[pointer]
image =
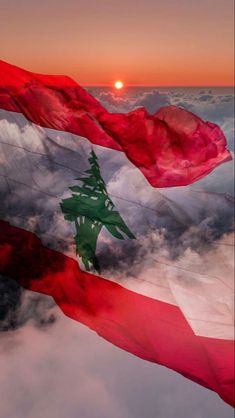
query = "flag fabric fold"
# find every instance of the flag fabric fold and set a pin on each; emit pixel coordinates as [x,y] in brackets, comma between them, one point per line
[150,329]
[173,147]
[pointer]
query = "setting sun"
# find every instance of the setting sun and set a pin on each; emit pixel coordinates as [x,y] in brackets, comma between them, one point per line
[118,84]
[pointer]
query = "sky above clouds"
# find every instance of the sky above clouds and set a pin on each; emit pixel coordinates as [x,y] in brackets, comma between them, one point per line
[52,367]
[152,42]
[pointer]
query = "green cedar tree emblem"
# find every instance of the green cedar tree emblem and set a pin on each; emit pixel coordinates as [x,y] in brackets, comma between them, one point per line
[90,208]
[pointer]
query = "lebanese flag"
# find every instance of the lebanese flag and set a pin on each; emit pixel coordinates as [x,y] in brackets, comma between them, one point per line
[83,220]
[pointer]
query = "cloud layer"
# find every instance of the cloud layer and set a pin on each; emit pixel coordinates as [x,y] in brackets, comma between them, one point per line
[67,371]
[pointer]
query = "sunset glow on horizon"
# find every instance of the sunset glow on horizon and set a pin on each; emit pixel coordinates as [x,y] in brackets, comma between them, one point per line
[151,43]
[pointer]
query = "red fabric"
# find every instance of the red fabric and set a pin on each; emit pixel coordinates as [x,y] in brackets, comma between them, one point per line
[148,328]
[173,147]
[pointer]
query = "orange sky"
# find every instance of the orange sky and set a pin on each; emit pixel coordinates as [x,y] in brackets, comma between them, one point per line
[146,42]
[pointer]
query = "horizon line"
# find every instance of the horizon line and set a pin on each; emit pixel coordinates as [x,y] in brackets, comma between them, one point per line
[162,86]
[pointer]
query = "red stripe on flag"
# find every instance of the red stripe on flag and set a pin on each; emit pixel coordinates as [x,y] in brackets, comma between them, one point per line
[148,328]
[173,147]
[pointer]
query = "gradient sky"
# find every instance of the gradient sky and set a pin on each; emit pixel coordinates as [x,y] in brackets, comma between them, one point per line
[151,42]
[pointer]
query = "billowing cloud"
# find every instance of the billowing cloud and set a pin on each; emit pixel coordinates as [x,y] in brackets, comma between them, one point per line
[18,307]
[151,99]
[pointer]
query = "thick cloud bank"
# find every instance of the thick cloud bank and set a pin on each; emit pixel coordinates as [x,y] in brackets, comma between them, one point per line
[67,371]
